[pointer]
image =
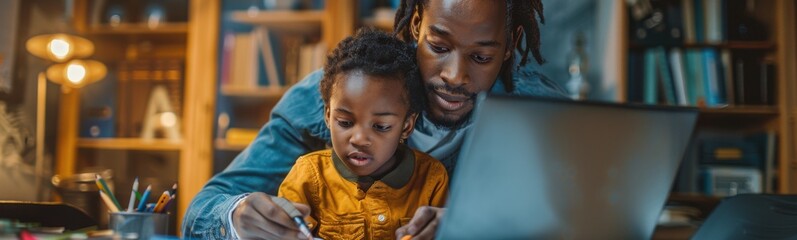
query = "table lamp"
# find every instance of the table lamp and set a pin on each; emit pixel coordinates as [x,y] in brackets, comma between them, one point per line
[64,50]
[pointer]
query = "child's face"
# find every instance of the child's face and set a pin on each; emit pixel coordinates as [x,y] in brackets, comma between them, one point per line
[367,115]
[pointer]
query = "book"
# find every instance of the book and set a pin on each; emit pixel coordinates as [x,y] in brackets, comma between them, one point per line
[754,80]
[699,18]
[678,76]
[228,46]
[241,136]
[650,85]
[711,78]
[98,109]
[688,14]
[727,76]
[636,67]
[713,21]
[665,76]
[264,43]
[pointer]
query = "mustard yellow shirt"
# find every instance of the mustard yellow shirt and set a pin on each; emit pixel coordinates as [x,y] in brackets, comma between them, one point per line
[342,210]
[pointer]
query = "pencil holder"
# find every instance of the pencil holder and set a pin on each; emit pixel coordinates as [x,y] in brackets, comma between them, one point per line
[137,225]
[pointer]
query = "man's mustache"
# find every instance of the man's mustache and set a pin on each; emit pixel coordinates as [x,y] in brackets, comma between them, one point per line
[452,90]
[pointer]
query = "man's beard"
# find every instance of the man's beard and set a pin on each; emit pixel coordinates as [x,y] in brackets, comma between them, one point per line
[447,121]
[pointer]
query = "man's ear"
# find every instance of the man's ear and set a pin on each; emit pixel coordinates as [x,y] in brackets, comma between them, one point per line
[415,24]
[516,36]
[409,125]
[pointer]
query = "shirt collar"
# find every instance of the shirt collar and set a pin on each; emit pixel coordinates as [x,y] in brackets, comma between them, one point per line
[396,178]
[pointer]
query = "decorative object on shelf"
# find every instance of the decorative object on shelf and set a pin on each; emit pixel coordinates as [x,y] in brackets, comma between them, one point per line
[115,15]
[160,115]
[577,67]
[64,49]
[655,22]
[154,14]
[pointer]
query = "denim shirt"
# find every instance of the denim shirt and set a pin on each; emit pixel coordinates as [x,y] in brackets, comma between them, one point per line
[297,127]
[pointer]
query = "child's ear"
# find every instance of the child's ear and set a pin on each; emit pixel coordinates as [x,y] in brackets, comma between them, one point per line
[415,24]
[326,116]
[409,125]
[514,44]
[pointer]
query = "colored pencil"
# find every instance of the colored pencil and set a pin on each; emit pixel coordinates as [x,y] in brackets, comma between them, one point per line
[132,196]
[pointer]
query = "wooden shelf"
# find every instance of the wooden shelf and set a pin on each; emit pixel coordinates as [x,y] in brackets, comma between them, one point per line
[382,19]
[222,144]
[140,29]
[736,45]
[306,22]
[130,144]
[380,23]
[256,92]
[742,110]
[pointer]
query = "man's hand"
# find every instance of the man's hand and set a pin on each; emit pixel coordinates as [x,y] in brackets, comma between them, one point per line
[257,217]
[423,225]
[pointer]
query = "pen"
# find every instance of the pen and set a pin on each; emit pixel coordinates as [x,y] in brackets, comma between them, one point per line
[143,203]
[104,187]
[294,214]
[133,196]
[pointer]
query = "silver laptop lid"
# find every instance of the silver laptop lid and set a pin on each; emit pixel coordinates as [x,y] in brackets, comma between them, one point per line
[557,169]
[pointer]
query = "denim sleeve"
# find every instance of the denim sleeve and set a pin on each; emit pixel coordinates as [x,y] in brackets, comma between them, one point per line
[530,82]
[296,127]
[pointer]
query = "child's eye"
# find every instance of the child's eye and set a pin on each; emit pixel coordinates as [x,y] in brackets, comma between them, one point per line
[382,128]
[345,124]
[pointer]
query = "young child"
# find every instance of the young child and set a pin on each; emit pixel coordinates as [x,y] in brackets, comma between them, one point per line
[370,183]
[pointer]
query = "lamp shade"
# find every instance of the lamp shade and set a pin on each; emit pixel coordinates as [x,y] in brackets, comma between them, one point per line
[77,73]
[59,47]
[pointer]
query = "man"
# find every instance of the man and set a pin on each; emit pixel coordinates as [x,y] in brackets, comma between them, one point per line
[463,47]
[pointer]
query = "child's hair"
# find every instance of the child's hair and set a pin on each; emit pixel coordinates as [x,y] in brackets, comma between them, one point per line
[379,54]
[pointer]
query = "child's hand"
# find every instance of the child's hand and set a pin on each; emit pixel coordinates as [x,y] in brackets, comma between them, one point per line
[423,225]
[257,217]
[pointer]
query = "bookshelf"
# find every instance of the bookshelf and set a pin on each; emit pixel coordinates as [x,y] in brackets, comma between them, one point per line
[130,144]
[299,21]
[173,53]
[258,92]
[139,28]
[729,116]
[254,76]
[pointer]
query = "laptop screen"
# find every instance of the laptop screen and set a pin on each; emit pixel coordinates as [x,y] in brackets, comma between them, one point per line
[541,168]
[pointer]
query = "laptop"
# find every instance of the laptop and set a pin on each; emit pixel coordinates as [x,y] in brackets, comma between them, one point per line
[535,168]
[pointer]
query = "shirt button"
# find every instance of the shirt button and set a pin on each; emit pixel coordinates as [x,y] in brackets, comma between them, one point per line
[381,218]
[223,232]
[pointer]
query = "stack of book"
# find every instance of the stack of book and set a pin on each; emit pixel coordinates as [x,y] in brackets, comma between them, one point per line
[261,59]
[709,53]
